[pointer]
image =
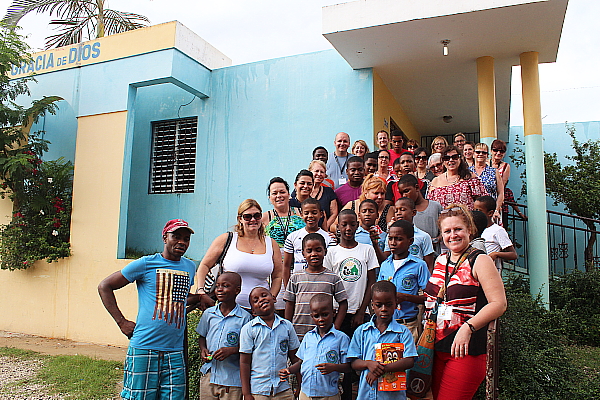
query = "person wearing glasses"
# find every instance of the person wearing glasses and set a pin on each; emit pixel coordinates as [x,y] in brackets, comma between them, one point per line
[438,144]
[459,141]
[435,166]
[383,171]
[467,291]
[412,145]
[489,176]
[251,254]
[421,158]
[457,184]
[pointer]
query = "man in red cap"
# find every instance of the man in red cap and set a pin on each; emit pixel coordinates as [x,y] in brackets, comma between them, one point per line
[155,366]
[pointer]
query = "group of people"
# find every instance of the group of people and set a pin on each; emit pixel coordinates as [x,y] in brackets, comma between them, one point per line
[347,260]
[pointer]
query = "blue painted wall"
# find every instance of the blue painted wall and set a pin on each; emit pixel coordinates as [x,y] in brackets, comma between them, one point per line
[261,120]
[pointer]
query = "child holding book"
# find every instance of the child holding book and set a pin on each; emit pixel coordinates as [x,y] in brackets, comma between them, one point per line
[497,243]
[219,329]
[322,354]
[293,257]
[266,343]
[407,272]
[382,328]
[313,279]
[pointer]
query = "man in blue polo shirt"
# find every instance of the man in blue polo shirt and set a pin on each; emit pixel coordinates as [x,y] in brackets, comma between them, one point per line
[155,367]
[407,272]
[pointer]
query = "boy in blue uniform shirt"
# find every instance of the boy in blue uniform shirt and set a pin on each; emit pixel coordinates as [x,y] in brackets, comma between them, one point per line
[266,342]
[322,354]
[382,328]
[407,272]
[219,329]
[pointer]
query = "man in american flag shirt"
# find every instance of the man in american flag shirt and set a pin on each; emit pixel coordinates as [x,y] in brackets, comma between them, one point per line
[154,367]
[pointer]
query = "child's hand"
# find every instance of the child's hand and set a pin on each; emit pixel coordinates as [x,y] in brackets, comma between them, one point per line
[357,320]
[205,354]
[400,297]
[371,378]
[375,367]
[283,374]
[224,352]
[326,368]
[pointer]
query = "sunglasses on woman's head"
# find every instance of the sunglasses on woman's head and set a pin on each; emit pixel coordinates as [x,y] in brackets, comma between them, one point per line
[481,152]
[446,211]
[452,157]
[499,150]
[248,217]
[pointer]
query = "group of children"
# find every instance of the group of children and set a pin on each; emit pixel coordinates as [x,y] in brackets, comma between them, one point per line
[327,329]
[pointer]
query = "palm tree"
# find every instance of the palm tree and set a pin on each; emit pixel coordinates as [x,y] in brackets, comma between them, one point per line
[77,20]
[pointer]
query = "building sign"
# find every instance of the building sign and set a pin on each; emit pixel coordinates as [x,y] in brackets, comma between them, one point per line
[60,58]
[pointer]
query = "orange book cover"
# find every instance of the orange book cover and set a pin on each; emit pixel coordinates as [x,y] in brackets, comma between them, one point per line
[387,353]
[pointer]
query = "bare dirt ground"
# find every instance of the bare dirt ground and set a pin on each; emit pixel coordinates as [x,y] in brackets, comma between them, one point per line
[54,346]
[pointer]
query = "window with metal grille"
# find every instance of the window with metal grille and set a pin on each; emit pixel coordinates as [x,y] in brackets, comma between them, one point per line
[173,162]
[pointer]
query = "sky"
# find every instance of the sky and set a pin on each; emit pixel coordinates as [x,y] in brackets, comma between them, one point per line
[248,31]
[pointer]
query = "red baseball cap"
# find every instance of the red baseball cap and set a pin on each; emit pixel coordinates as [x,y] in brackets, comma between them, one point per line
[174,224]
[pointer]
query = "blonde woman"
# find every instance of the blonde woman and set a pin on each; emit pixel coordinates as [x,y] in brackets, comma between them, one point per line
[323,194]
[373,188]
[253,255]
[489,176]
[438,144]
[360,148]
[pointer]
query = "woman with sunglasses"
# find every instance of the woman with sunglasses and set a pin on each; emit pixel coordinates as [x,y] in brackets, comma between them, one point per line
[324,193]
[412,145]
[467,291]
[490,177]
[421,158]
[469,153]
[251,254]
[457,184]
[438,144]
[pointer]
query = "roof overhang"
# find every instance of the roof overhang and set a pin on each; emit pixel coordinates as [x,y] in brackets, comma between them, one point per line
[401,41]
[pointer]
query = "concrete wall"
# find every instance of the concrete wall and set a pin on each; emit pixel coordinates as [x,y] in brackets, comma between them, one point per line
[261,120]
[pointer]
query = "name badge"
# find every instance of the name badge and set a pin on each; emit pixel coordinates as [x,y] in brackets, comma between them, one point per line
[445,312]
[342,181]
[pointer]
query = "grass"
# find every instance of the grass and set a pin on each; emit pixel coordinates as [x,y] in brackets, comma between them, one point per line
[587,359]
[82,378]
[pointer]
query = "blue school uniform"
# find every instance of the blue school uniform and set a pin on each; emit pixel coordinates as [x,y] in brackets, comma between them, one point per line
[411,276]
[314,349]
[422,245]
[223,331]
[363,236]
[269,349]
[362,346]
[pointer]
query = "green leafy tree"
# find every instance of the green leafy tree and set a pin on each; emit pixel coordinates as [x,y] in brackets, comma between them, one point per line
[76,20]
[40,190]
[576,185]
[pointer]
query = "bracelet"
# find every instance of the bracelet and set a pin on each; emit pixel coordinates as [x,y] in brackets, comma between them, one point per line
[473,330]
[200,291]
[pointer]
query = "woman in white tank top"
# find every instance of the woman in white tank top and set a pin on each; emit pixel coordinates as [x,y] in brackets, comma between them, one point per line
[251,254]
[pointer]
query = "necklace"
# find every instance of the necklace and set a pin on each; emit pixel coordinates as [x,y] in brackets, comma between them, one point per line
[319,190]
[285,227]
[455,180]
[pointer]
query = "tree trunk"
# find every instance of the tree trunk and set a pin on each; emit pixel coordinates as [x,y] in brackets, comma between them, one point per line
[589,248]
[100,19]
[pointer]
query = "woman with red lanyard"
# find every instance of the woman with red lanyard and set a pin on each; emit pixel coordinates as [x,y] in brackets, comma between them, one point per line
[467,291]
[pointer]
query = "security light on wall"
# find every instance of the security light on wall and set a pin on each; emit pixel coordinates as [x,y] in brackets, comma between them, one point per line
[445,42]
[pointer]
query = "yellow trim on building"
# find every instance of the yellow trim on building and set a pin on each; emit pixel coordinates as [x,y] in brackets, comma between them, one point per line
[386,106]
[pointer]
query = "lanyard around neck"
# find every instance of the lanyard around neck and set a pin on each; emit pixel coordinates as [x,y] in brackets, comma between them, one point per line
[459,262]
[342,167]
[287,222]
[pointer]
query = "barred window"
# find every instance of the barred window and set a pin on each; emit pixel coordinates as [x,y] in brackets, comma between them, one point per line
[173,161]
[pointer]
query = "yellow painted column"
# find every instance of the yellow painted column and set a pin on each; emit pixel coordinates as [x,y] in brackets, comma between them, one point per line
[486,93]
[537,232]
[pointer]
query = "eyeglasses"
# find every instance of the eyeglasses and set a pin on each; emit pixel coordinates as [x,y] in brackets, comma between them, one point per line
[481,152]
[412,146]
[442,144]
[436,166]
[446,211]
[384,157]
[452,157]
[249,217]
[499,150]
[460,141]
[421,157]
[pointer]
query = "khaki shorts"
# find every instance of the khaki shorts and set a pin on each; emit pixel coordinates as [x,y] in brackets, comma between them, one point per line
[285,395]
[211,391]
[413,327]
[305,397]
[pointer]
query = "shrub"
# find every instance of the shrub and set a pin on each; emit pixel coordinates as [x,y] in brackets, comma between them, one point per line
[194,360]
[577,296]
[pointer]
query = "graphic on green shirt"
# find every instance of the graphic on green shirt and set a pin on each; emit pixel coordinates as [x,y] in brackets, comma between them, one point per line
[350,269]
